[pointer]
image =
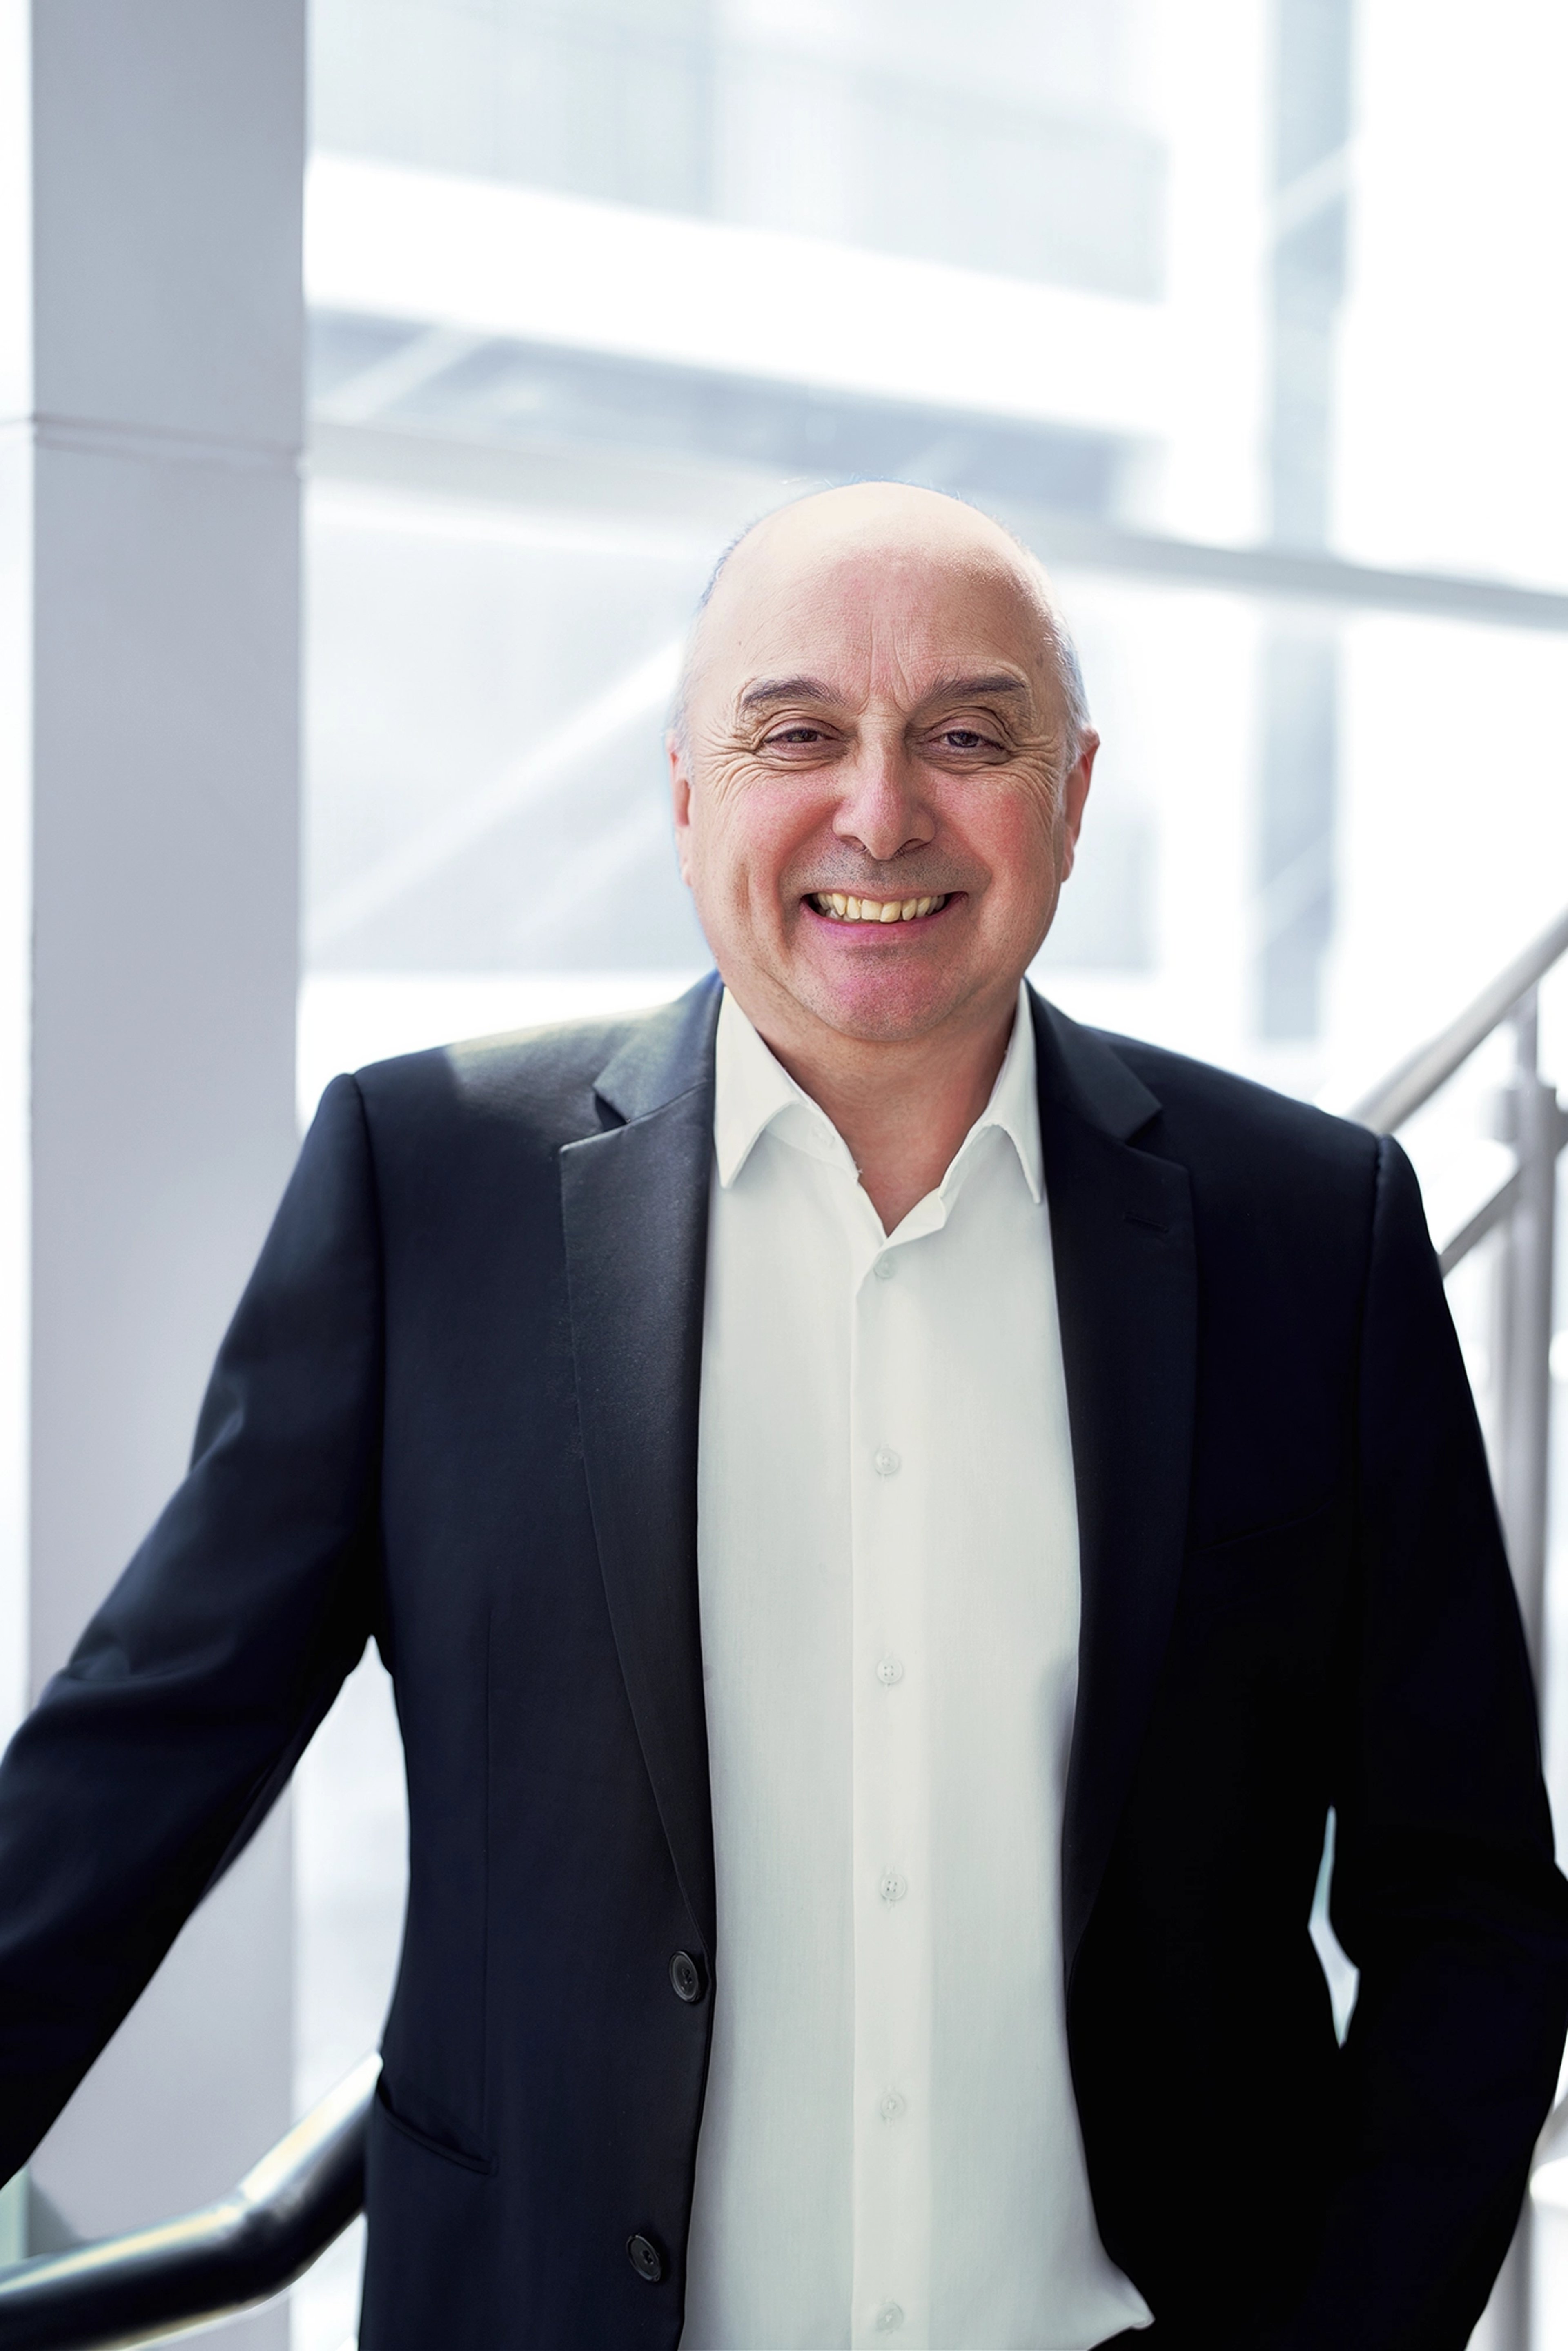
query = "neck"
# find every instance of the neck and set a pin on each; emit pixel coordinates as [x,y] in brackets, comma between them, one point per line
[902,1108]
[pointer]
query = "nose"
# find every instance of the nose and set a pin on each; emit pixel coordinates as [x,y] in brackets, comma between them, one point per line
[882,809]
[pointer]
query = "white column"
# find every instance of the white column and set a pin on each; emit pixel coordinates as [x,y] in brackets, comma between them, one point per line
[150,343]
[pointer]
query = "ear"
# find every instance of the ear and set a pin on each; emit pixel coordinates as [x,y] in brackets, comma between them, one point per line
[681,801]
[1074,793]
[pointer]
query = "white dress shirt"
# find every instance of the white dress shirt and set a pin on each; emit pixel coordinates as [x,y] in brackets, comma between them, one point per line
[888,1561]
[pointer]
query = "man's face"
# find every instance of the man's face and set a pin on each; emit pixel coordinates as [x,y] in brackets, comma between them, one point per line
[870,807]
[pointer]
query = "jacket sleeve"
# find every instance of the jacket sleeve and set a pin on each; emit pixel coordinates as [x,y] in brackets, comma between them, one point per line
[1445,1893]
[151,1757]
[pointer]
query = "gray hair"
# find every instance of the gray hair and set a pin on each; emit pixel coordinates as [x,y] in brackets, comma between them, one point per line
[1063,651]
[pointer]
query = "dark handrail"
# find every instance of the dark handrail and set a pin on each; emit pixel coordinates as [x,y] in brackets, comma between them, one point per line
[180,2274]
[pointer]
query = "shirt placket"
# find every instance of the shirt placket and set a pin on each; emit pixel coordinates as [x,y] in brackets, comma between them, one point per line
[892,1904]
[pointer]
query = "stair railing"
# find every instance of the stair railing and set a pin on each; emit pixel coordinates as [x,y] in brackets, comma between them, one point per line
[213,2264]
[1536,1128]
[1524,1206]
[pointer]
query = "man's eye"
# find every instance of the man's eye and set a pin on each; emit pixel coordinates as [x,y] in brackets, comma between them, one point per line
[792,736]
[964,739]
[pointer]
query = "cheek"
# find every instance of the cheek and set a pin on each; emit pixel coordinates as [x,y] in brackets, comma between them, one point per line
[1009,829]
[1014,835]
[753,827]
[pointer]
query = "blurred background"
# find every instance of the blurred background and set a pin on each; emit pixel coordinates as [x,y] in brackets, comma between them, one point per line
[593,283]
[1248,315]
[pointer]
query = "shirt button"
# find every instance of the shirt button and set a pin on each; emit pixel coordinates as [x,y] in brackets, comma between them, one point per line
[888,1671]
[885,1267]
[686,1976]
[890,2315]
[893,1885]
[886,1461]
[645,2259]
[889,2105]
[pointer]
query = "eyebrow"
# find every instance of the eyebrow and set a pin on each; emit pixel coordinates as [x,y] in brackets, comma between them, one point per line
[786,689]
[813,689]
[996,682]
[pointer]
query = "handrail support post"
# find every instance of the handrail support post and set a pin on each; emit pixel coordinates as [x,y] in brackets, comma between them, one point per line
[1533,1124]
[1525,1313]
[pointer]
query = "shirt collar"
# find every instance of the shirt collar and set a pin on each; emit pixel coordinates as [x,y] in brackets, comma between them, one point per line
[1014,1105]
[754,1092]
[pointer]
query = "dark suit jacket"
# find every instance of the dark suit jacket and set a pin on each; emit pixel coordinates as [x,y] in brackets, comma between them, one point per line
[457,1408]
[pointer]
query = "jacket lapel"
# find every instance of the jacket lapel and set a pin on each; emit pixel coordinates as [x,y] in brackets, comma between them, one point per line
[1126,1283]
[635,1204]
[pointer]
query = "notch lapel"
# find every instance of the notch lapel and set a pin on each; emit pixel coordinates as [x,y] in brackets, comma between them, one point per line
[1126,1285]
[634,1205]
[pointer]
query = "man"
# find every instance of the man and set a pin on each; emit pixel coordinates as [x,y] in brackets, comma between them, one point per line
[894,1518]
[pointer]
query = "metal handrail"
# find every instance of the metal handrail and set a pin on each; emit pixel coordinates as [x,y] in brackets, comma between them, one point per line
[1475,1227]
[1407,1088]
[209,2265]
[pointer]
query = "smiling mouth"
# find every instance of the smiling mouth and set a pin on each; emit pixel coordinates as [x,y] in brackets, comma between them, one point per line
[839,907]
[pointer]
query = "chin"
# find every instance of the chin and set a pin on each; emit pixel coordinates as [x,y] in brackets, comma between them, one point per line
[885,1008]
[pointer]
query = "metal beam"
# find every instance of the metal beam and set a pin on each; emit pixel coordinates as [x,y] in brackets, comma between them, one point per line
[556,474]
[1301,578]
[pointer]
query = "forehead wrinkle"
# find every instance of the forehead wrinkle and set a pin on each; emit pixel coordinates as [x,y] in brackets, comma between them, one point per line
[1001,618]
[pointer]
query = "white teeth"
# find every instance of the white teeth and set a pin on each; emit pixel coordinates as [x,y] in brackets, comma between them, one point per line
[845,909]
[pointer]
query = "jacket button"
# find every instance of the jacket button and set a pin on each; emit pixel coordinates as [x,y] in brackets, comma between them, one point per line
[687,1975]
[645,2259]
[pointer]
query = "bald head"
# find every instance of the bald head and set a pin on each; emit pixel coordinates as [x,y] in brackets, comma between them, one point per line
[896,529]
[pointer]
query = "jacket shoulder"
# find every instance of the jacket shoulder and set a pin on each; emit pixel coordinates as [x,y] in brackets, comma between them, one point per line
[537,1083]
[564,1082]
[1212,1117]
